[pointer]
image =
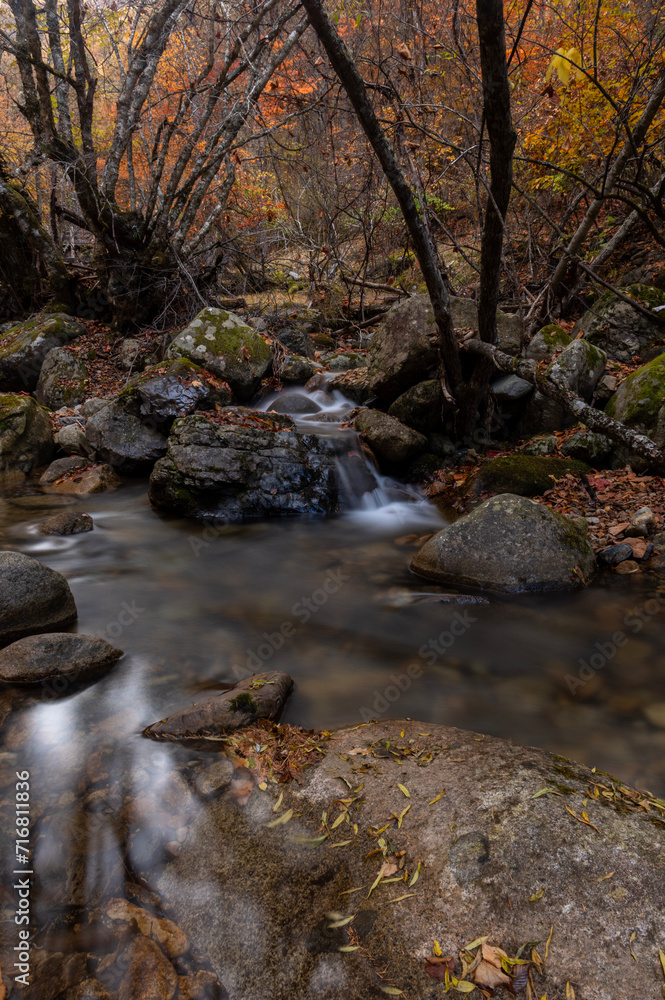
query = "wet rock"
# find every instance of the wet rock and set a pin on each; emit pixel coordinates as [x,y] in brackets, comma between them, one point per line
[617,328]
[63,379]
[550,339]
[40,658]
[244,464]
[511,388]
[129,355]
[25,434]
[297,370]
[176,388]
[60,467]
[638,402]
[488,846]
[33,598]
[509,544]
[69,522]
[525,475]
[172,941]
[343,362]
[261,697]
[229,348]
[294,402]
[354,384]
[297,340]
[24,346]
[81,482]
[201,985]
[92,406]
[643,523]
[215,778]
[149,975]
[391,441]
[627,567]
[117,435]
[614,554]
[91,989]
[420,407]
[587,446]
[73,441]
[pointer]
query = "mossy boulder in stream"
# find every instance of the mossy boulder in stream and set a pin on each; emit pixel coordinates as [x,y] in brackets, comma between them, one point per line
[23,347]
[239,463]
[620,330]
[509,544]
[492,842]
[26,440]
[525,475]
[228,347]
[640,401]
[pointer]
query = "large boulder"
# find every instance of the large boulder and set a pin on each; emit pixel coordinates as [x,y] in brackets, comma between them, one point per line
[420,407]
[63,380]
[130,431]
[23,347]
[33,598]
[392,442]
[549,339]
[239,463]
[26,440]
[509,544]
[404,348]
[579,368]
[524,475]
[619,329]
[507,844]
[228,347]
[640,400]
[57,655]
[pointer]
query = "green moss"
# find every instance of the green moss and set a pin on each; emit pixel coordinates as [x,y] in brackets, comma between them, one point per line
[641,396]
[243,702]
[646,294]
[555,336]
[524,475]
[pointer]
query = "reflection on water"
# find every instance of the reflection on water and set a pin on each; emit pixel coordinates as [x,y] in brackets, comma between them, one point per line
[194,606]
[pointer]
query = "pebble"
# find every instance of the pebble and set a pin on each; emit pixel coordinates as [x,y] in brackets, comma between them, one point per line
[614,554]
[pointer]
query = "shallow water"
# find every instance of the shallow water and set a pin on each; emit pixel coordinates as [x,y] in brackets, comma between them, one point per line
[194,607]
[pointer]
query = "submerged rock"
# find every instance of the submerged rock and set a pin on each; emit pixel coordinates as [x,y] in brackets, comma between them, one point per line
[618,329]
[240,463]
[26,440]
[297,369]
[33,598]
[294,402]
[261,697]
[69,522]
[495,833]
[228,347]
[392,442]
[40,658]
[509,544]
[63,380]
[24,346]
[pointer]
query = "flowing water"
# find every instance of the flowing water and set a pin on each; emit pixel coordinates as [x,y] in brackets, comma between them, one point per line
[196,606]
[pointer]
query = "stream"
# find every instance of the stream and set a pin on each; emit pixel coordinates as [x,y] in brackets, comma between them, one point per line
[331,602]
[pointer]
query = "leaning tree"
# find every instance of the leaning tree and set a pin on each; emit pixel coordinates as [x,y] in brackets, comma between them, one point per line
[138,107]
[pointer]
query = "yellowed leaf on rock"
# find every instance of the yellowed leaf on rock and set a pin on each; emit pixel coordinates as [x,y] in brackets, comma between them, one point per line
[487,974]
[464,986]
[548,942]
[404,790]
[437,797]
[284,818]
[630,946]
[474,944]
[661,956]
[570,992]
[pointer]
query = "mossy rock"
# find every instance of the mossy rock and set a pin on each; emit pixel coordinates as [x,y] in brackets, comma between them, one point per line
[24,346]
[547,342]
[63,380]
[26,441]
[228,347]
[542,445]
[420,407]
[640,400]
[523,475]
[615,326]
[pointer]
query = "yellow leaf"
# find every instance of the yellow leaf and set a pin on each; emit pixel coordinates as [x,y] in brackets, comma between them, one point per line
[570,992]
[401,816]
[439,796]
[630,946]
[340,819]
[661,956]
[341,923]
[437,949]
[414,877]
[404,790]
[277,804]
[476,943]
[392,991]
[349,947]
[463,986]
[284,818]
[548,942]
[537,895]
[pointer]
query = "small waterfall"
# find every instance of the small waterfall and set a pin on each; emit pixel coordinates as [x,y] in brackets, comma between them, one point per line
[366,495]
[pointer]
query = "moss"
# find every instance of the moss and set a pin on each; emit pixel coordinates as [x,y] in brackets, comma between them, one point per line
[524,475]
[641,396]
[243,702]
[647,295]
[555,336]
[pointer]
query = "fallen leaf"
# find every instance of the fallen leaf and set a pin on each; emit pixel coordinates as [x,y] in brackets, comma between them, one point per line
[404,790]
[341,923]
[487,974]
[284,818]
[570,992]
[549,941]
[437,797]
[349,947]
[604,877]
[476,943]
[630,946]
[392,991]
[537,895]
